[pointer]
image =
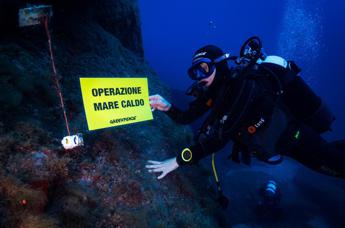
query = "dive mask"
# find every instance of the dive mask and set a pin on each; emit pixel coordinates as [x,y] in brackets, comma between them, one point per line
[204,67]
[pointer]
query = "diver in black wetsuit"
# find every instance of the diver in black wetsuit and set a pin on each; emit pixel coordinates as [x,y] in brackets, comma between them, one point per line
[262,105]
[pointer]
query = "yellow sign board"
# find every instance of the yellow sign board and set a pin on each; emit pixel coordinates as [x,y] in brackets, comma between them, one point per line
[110,102]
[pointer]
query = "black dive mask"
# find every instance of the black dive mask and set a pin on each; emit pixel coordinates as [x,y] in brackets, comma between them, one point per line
[199,70]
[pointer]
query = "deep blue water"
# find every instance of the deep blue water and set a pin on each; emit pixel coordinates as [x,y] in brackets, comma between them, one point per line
[310,32]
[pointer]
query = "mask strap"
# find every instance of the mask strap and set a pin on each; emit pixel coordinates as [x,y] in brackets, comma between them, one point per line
[222,58]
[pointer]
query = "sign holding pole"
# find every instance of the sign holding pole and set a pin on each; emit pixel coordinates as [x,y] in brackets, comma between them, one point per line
[110,102]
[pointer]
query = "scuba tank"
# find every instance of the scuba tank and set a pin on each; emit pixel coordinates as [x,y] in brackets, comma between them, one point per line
[299,98]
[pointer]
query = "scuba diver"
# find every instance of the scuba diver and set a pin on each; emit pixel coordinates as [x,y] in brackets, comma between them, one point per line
[261,104]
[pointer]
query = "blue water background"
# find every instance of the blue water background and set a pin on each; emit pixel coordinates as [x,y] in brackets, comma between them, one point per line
[310,32]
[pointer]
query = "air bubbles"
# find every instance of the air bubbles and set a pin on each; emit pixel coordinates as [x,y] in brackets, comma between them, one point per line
[212,24]
[300,36]
[211,28]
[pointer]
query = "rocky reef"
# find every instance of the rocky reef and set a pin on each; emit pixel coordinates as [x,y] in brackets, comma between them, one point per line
[104,183]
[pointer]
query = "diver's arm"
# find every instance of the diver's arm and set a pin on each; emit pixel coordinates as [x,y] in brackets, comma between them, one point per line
[196,109]
[187,116]
[191,155]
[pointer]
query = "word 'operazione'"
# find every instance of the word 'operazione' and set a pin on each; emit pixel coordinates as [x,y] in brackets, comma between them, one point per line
[97,92]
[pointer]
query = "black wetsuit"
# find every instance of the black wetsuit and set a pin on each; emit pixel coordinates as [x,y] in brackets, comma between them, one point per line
[248,111]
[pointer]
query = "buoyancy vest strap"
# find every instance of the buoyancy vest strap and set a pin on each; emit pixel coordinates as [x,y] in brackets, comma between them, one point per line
[214,169]
[222,199]
[246,98]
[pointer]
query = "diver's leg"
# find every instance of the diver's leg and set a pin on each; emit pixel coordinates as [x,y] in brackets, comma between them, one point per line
[314,152]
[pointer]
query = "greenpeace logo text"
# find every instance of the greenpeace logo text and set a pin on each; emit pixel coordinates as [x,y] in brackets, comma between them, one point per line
[126,119]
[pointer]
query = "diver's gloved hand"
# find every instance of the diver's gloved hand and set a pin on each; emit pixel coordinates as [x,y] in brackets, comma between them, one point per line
[159,103]
[164,167]
[72,141]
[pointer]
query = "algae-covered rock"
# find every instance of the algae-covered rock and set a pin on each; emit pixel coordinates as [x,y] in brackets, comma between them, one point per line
[36,221]
[104,183]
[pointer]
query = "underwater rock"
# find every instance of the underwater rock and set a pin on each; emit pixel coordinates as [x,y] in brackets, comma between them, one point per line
[21,198]
[36,221]
[121,18]
[40,169]
[317,222]
[104,183]
[77,206]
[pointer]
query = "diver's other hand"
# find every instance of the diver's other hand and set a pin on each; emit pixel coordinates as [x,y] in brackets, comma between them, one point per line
[163,167]
[159,103]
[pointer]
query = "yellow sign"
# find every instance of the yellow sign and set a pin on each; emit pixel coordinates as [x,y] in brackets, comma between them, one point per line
[110,102]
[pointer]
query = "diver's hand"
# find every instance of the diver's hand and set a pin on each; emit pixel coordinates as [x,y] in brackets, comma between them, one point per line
[159,103]
[164,167]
